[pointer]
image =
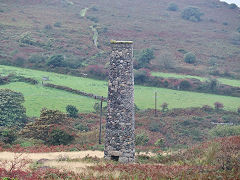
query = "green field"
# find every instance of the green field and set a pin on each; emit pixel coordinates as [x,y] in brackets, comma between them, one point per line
[230,82]
[37,96]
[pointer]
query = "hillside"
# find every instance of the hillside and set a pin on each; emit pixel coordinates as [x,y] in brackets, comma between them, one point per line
[81,31]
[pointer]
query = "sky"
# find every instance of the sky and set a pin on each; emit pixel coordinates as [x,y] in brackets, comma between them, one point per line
[237,2]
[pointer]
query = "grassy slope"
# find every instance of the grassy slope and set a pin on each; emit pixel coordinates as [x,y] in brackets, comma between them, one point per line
[37,97]
[147,23]
[144,96]
[230,82]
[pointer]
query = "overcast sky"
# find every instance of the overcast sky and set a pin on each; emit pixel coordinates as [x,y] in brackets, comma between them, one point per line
[237,2]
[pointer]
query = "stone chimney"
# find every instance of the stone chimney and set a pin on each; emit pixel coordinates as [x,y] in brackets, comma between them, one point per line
[120,125]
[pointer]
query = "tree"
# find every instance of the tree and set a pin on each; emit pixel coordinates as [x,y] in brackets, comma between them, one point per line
[145,57]
[72,111]
[12,112]
[190,58]
[56,61]
[192,14]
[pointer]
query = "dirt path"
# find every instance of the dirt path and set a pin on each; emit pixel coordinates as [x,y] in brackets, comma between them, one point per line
[60,160]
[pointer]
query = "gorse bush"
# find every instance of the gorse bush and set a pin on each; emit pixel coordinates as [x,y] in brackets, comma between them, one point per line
[224,130]
[192,14]
[59,136]
[190,58]
[72,111]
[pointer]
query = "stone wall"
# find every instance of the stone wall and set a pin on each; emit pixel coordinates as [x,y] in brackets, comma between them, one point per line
[120,125]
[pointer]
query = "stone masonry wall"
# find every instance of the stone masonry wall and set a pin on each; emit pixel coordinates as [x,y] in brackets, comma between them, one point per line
[120,126]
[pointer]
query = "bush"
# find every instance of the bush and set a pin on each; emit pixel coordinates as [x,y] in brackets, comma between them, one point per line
[141,139]
[164,107]
[81,127]
[94,19]
[48,27]
[154,126]
[224,130]
[160,143]
[12,111]
[145,57]
[59,136]
[218,106]
[56,61]
[36,58]
[238,29]
[141,76]
[8,136]
[72,111]
[172,7]
[96,71]
[185,85]
[190,58]
[233,6]
[192,14]
[57,24]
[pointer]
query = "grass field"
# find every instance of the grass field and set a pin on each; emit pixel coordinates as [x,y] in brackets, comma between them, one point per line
[37,96]
[231,82]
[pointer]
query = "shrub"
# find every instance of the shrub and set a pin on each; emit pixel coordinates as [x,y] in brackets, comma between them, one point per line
[164,107]
[213,84]
[56,61]
[12,112]
[36,58]
[81,127]
[218,106]
[72,111]
[57,24]
[192,14]
[48,27]
[233,6]
[160,143]
[225,130]
[207,108]
[154,126]
[59,136]
[145,57]
[238,29]
[141,139]
[190,58]
[97,71]
[172,7]
[8,136]
[185,85]
[141,76]
[94,19]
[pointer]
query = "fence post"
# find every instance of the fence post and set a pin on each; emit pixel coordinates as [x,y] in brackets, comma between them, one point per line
[100,126]
[155,113]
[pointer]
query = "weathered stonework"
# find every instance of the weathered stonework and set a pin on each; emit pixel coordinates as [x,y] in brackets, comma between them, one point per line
[120,126]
